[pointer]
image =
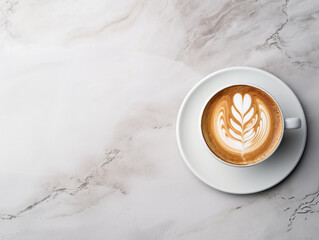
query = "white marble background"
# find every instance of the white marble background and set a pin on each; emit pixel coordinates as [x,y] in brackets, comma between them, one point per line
[89,94]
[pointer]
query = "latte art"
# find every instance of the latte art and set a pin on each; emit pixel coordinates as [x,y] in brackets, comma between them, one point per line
[241,124]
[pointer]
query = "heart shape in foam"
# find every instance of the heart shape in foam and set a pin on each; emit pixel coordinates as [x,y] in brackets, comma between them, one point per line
[242,104]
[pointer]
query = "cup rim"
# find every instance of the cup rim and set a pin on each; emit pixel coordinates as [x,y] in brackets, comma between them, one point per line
[245,84]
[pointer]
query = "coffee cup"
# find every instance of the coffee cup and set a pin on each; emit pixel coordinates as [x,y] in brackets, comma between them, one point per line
[242,125]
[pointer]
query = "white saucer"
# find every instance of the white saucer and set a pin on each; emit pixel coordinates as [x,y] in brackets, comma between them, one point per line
[227,178]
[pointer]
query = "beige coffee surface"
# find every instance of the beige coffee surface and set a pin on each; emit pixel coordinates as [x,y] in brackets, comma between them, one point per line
[242,125]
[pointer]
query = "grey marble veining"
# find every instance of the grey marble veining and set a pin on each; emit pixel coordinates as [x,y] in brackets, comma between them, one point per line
[89,95]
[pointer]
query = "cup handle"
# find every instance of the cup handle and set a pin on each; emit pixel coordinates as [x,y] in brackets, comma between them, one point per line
[292,123]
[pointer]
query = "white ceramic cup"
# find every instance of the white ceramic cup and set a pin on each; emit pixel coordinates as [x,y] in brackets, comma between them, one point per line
[288,124]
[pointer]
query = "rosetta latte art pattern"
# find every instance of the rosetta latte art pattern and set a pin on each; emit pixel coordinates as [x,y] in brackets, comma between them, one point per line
[243,125]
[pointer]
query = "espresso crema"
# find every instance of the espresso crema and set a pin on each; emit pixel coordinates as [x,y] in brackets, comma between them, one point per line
[242,125]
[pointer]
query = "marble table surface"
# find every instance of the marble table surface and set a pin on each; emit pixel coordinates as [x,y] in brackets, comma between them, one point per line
[89,95]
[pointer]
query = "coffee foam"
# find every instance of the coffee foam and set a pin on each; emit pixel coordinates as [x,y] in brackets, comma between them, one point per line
[241,125]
